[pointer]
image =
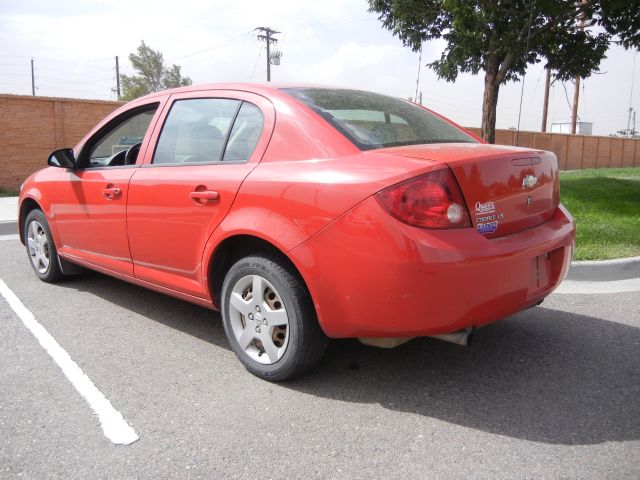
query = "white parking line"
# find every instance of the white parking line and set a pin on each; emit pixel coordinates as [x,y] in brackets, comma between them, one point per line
[114,425]
[587,287]
[13,236]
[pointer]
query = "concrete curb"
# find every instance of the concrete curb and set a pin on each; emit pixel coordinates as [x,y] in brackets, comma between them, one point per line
[8,228]
[605,270]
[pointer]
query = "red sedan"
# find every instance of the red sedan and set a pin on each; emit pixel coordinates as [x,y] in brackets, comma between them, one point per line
[303,213]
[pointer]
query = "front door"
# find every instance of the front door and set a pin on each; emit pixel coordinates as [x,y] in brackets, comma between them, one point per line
[89,210]
[207,146]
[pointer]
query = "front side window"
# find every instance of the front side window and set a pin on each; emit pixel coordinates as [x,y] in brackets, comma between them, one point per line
[196,131]
[370,120]
[121,142]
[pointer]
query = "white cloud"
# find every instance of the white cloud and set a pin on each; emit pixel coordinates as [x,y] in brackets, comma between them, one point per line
[74,43]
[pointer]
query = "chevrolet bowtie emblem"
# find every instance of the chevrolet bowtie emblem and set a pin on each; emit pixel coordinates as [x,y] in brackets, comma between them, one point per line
[529,181]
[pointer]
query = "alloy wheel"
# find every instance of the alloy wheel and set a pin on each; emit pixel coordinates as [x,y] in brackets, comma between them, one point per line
[39,247]
[259,319]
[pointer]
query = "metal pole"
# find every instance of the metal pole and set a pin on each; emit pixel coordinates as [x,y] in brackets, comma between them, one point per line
[545,105]
[117,78]
[268,56]
[574,111]
[576,94]
[418,76]
[633,75]
[268,38]
[33,80]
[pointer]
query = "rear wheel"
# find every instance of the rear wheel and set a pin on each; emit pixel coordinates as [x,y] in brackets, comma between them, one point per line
[269,319]
[40,247]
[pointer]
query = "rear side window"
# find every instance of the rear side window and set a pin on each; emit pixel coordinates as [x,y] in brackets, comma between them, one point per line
[245,134]
[196,131]
[370,120]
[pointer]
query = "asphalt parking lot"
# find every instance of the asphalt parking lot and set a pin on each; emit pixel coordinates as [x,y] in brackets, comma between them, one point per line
[553,392]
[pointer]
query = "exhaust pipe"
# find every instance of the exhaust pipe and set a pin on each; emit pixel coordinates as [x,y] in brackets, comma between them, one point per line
[461,337]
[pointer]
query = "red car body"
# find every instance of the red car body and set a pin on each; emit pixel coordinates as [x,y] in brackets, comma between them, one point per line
[311,194]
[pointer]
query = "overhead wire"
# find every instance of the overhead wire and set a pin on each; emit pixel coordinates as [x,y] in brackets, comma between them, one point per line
[255,66]
[240,38]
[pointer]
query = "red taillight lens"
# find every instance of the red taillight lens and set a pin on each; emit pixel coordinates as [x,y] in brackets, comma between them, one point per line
[433,200]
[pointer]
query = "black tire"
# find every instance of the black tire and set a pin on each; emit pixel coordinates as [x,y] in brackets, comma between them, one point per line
[41,248]
[305,341]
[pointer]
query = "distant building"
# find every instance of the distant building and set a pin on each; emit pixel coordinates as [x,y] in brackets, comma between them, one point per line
[582,128]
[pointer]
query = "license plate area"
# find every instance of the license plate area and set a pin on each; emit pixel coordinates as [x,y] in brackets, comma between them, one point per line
[545,270]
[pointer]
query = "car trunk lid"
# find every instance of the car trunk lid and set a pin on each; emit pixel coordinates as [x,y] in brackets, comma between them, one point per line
[506,189]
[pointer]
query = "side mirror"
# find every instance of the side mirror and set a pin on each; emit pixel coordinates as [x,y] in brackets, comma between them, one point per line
[63,158]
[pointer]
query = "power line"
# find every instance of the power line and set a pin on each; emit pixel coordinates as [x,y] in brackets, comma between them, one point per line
[58,70]
[349,18]
[566,95]
[68,80]
[239,39]
[225,49]
[253,73]
[524,76]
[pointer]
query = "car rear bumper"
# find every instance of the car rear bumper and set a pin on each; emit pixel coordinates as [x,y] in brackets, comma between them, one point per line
[373,276]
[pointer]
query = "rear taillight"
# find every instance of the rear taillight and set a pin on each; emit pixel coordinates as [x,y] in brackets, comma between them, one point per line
[433,200]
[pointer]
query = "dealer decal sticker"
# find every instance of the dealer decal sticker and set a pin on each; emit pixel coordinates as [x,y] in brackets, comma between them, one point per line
[486,228]
[486,207]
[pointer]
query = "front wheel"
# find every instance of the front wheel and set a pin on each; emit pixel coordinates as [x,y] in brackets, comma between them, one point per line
[269,319]
[40,247]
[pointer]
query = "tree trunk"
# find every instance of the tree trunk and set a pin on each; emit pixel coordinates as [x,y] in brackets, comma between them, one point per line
[489,104]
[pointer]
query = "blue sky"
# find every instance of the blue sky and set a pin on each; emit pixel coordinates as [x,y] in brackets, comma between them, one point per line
[334,42]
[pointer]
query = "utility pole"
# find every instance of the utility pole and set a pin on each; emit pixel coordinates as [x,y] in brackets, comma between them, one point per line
[418,76]
[633,77]
[574,111]
[117,78]
[33,80]
[545,105]
[267,35]
[576,93]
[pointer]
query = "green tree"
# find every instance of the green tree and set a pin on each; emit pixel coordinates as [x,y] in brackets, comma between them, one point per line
[502,37]
[152,76]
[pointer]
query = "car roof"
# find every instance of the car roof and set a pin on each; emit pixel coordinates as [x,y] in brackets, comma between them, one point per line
[266,89]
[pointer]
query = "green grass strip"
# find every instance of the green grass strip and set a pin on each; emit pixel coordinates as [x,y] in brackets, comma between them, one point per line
[606,206]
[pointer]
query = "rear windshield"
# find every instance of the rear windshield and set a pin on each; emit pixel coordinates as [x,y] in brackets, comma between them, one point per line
[372,121]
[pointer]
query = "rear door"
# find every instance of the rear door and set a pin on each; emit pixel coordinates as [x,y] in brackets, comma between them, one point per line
[207,144]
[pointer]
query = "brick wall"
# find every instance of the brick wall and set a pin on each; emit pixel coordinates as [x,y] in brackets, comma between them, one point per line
[32,127]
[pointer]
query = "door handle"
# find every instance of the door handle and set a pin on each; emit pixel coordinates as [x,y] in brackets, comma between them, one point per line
[111,192]
[203,196]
